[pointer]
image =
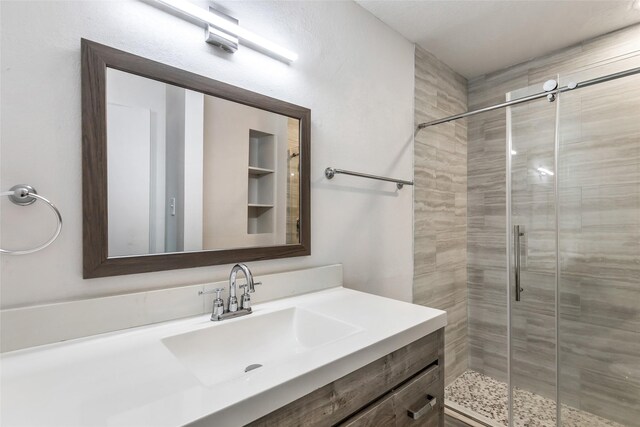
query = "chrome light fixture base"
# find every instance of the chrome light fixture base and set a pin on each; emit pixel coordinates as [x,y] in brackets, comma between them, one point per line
[218,37]
[224,32]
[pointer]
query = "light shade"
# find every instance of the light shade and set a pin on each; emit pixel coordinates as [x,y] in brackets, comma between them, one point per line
[207,17]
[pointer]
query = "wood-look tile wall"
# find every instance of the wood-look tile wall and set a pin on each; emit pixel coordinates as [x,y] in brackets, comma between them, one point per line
[599,178]
[440,203]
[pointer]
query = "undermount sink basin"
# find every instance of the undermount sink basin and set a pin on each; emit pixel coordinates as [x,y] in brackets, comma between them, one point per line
[224,351]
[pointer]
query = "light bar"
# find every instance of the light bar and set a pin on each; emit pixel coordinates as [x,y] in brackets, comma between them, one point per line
[207,17]
[544,171]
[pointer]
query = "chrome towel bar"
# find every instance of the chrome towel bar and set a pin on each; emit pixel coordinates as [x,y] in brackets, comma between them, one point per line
[24,195]
[331,172]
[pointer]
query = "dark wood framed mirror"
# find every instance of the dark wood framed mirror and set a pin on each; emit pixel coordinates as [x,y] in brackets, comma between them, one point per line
[182,171]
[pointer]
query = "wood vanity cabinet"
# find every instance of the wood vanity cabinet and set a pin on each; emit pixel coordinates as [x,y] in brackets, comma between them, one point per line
[403,388]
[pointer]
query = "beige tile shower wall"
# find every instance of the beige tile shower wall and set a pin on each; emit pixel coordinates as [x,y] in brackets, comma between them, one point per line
[440,205]
[600,274]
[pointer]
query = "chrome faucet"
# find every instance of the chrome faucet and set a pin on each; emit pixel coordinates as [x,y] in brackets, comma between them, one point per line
[219,312]
[233,300]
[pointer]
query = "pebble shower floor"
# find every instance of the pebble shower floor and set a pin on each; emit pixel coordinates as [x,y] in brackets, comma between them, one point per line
[487,397]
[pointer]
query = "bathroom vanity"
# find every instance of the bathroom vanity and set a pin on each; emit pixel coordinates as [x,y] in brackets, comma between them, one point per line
[403,388]
[335,356]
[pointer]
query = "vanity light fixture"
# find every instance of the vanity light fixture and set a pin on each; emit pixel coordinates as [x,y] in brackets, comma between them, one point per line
[225,30]
[544,171]
[218,37]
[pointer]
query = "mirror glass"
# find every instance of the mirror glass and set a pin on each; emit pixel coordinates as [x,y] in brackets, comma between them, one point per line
[191,172]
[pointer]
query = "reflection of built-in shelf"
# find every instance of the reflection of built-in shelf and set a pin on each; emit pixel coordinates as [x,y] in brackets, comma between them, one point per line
[261,192]
[260,220]
[259,171]
[261,150]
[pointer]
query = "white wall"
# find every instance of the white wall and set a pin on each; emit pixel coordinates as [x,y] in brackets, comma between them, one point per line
[354,73]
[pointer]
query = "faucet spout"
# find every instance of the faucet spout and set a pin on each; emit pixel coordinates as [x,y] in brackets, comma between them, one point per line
[233,299]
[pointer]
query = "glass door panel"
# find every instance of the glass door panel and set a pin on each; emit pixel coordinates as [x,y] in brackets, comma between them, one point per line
[532,256]
[599,277]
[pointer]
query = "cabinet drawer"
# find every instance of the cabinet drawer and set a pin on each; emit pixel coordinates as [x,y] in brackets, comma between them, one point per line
[417,403]
[379,414]
[420,402]
[345,396]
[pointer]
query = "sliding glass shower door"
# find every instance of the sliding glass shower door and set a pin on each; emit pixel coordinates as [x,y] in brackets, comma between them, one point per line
[599,249]
[573,228]
[532,250]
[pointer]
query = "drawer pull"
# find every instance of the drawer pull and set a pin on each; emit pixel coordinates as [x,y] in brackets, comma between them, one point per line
[431,402]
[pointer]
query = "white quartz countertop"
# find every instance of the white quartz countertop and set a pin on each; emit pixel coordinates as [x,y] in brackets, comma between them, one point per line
[130,378]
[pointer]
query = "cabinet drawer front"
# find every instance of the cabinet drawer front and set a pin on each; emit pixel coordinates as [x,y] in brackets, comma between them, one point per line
[340,399]
[420,402]
[380,414]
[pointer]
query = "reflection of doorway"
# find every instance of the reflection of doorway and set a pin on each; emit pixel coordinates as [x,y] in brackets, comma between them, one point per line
[155,134]
[293,181]
[131,93]
[293,211]
[184,169]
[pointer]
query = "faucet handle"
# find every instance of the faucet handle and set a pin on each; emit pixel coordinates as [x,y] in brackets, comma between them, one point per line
[249,289]
[245,300]
[218,303]
[216,291]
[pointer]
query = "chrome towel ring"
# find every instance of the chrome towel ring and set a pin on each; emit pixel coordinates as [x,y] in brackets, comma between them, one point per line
[24,195]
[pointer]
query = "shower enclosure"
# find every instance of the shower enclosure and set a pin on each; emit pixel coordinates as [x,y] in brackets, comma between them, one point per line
[568,293]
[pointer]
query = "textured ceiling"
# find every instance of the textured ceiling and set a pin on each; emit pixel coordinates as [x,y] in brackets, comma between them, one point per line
[477,37]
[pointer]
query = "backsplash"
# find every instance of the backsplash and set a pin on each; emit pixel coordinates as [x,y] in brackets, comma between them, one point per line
[44,324]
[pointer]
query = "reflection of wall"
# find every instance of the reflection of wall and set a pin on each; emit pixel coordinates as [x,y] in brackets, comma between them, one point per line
[129,130]
[132,91]
[228,127]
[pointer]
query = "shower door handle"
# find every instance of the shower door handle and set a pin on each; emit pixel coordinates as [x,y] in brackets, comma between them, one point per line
[517,233]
